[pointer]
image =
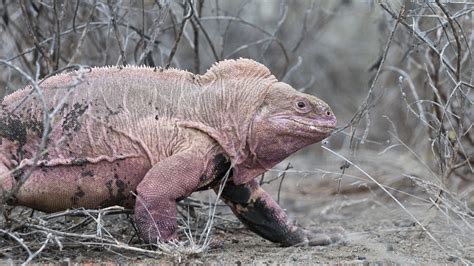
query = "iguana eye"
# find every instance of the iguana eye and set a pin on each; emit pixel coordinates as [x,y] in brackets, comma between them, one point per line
[302,106]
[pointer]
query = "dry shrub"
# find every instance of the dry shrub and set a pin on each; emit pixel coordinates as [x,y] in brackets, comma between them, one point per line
[399,77]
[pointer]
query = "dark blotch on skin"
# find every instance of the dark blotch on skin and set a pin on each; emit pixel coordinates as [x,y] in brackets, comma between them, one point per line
[261,220]
[36,127]
[43,167]
[115,199]
[13,129]
[258,211]
[180,199]
[108,185]
[11,200]
[237,194]
[121,190]
[110,200]
[221,167]
[87,173]
[111,112]
[17,174]
[18,130]
[71,121]
[63,108]
[258,216]
[79,162]
[115,112]
[121,186]
[79,194]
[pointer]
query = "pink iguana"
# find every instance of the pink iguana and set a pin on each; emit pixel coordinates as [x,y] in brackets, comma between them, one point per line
[161,134]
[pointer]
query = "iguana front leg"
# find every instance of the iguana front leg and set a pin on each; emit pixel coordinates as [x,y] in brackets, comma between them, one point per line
[261,214]
[170,180]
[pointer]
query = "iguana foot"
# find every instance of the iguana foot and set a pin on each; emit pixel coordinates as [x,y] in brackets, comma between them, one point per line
[324,236]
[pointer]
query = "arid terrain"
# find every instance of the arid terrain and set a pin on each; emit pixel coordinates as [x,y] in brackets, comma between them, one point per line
[397,174]
[377,228]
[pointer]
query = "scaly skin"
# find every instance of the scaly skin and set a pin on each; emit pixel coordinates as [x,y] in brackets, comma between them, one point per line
[261,214]
[161,135]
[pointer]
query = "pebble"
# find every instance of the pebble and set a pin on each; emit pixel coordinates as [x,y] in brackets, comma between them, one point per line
[452,258]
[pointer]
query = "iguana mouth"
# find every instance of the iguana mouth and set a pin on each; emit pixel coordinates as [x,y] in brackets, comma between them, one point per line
[312,126]
[321,127]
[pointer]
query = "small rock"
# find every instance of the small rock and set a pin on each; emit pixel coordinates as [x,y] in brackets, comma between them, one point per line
[453,258]
[390,247]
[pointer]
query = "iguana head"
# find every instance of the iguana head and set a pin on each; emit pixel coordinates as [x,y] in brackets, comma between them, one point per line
[286,121]
[294,117]
[257,120]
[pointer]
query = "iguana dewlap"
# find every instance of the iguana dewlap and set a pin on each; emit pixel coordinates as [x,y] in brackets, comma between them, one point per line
[160,134]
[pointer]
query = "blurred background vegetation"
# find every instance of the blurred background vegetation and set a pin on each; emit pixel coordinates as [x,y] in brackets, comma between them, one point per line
[332,49]
[398,74]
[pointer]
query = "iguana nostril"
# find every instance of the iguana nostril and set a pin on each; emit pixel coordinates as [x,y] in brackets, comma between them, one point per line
[328,113]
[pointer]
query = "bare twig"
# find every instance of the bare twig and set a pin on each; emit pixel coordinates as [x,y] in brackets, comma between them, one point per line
[186,16]
[366,106]
[84,33]
[18,240]
[117,33]
[456,37]
[304,29]
[419,36]
[32,256]
[289,166]
[156,27]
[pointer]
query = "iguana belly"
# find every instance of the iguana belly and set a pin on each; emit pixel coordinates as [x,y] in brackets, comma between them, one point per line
[88,185]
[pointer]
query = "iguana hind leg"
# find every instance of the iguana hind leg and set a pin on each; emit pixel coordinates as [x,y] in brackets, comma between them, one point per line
[261,214]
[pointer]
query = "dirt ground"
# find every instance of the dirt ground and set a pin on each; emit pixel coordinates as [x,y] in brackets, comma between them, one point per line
[377,230]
